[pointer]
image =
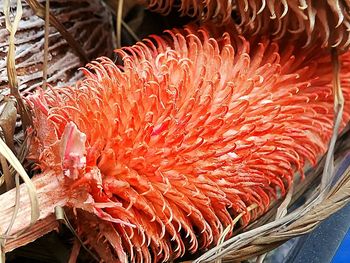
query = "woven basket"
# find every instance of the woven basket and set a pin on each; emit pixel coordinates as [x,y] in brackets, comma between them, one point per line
[267,233]
[302,210]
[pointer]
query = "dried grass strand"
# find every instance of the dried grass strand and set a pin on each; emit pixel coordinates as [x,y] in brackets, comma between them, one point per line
[282,210]
[11,65]
[15,212]
[9,181]
[46,42]
[328,172]
[119,22]
[229,228]
[12,159]
[4,149]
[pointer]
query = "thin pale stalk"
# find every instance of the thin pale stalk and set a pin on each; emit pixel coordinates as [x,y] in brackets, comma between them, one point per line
[228,228]
[119,22]
[338,115]
[282,210]
[11,158]
[16,207]
[9,182]
[46,43]
[11,64]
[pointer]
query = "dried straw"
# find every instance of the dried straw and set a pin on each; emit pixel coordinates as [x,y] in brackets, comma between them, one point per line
[46,42]
[9,115]
[5,151]
[119,23]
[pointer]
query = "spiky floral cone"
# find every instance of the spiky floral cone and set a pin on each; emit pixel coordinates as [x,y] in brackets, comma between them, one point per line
[168,148]
[316,21]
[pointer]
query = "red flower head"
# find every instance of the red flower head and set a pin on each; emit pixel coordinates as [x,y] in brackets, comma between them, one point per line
[171,146]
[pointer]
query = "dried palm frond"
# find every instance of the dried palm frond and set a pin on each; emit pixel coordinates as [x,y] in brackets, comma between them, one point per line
[318,21]
[219,10]
[91,28]
[22,67]
[326,23]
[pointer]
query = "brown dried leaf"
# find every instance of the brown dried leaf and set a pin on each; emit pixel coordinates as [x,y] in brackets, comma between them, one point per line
[8,118]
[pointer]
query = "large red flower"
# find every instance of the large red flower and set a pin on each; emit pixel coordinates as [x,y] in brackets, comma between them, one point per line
[169,147]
